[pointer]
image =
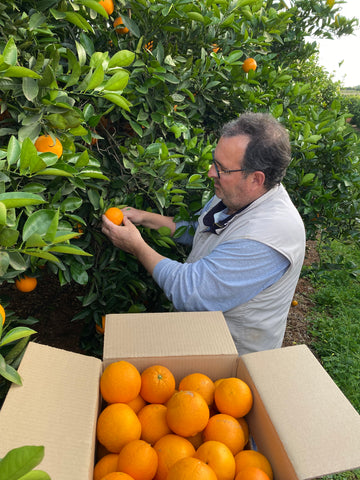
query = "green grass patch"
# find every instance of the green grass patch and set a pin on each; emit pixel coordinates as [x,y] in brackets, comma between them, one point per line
[335,323]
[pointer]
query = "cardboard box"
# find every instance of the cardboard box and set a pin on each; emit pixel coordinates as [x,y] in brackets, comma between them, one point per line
[300,419]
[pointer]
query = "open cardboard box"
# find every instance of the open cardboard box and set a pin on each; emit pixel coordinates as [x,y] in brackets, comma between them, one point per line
[300,419]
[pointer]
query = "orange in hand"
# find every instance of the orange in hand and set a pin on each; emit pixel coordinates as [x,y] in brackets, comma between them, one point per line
[115,215]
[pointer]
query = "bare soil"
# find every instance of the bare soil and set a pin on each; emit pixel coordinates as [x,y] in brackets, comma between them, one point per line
[55,306]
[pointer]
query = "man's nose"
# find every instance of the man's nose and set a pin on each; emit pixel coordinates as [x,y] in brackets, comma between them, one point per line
[212,171]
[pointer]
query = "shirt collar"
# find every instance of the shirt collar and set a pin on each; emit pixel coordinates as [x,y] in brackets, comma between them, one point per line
[217,226]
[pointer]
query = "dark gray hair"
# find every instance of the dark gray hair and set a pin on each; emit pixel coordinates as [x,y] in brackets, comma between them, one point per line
[269,147]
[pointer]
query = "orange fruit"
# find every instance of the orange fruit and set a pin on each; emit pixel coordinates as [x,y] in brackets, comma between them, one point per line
[45,143]
[251,473]
[101,328]
[201,383]
[137,403]
[233,396]
[190,468]
[117,425]
[170,449]
[187,413]
[157,384]
[294,303]
[219,457]
[120,382]
[120,30]
[3,315]
[115,215]
[226,429]
[108,5]
[245,427]
[215,47]
[26,284]
[117,476]
[138,459]
[105,465]
[251,458]
[249,64]
[153,422]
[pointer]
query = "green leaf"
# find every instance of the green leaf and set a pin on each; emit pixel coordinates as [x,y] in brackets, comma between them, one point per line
[35,240]
[119,100]
[196,16]
[8,236]
[15,334]
[19,72]
[123,58]
[39,222]
[19,199]
[73,250]
[13,150]
[96,78]
[2,214]
[79,21]
[94,5]
[17,261]
[10,52]
[8,372]
[19,461]
[56,172]
[4,263]
[118,81]
[30,88]
[41,254]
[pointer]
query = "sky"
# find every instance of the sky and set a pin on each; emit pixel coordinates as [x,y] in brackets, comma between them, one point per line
[346,49]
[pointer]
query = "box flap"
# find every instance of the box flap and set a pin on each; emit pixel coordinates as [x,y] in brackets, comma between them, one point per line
[317,427]
[176,340]
[56,407]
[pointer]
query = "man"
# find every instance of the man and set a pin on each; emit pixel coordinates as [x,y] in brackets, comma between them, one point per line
[249,244]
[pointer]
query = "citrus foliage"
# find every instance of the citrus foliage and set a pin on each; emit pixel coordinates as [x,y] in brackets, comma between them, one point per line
[138,113]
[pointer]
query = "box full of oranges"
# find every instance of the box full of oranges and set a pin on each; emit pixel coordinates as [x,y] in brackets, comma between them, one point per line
[172,400]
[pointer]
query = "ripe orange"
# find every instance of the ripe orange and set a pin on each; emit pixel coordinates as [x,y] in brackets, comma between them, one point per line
[294,303]
[45,143]
[233,396]
[117,425]
[120,30]
[251,458]
[3,315]
[252,473]
[249,64]
[101,329]
[153,422]
[170,449]
[226,429]
[120,382]
[219,457]
[137,403]
[187,413]
[117,476]
[115,215]
[215,47]
[108,5]
[26,284]
[190,468]
[105,465]
[157,384]
[201,383]
[245,427]
[138,459]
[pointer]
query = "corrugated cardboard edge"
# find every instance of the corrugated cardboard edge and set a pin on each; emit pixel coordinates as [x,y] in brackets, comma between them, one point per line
[56,407]
[262,431]
[178,341]
[315,423]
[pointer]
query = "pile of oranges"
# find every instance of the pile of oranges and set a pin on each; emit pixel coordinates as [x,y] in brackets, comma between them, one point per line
[152,429]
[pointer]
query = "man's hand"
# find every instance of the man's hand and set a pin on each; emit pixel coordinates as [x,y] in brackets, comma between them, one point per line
[126,236]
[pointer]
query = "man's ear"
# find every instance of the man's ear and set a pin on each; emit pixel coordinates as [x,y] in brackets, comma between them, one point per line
[258,178]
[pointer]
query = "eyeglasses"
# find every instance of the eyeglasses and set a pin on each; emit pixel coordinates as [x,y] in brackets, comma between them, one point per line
[227,172]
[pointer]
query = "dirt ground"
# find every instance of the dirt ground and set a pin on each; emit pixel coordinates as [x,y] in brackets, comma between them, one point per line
[54,306]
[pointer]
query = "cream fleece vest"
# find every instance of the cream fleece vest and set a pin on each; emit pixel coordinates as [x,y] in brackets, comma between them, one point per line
[272,219]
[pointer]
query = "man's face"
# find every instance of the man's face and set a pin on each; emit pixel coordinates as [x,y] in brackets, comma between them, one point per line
[235,189]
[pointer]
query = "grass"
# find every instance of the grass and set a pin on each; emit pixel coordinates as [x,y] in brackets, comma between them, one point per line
[335,322]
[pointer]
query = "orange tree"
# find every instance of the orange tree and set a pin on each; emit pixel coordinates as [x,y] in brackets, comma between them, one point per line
[138,109]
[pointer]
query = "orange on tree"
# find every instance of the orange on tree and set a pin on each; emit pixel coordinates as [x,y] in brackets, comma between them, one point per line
[117,425]
[45,143]
[226,429]
[170,449]
[108,5]
[115,215]
[117,476]
[251,473]
[215,47]
[233,396]
[153,422]
[105,465]
[3,314]
[120,382]
[157,384]
[138,459]
[121,30]
[26,284]
[249,64]
[191,468]
[201,383]
[219,457]
[252,458]
[187,413]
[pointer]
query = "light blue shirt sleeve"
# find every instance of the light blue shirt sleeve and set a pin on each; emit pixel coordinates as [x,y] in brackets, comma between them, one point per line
[232,274]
